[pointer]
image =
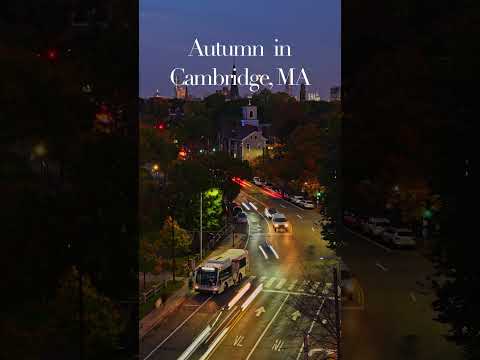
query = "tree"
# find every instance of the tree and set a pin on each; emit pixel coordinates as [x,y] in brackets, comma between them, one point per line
[147,258]
[182,239]
[319,306]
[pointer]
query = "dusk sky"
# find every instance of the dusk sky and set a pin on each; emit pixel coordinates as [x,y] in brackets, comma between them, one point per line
[168,29]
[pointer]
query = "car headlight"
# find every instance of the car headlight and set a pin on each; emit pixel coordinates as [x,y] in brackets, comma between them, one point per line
[286,225]
[276,225]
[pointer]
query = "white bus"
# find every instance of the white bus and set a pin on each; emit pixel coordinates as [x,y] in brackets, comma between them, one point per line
[221,272]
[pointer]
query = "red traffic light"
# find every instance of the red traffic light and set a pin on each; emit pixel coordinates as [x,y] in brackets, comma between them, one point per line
[52,54]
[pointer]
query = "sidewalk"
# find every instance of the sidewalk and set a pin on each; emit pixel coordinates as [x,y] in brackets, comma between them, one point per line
[157,315]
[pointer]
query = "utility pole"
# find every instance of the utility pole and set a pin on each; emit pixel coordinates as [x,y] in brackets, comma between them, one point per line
[201,226]
[337,311]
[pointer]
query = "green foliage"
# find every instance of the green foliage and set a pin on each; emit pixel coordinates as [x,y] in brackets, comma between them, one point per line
[213,209]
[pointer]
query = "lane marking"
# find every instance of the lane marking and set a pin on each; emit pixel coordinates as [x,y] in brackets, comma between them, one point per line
[412,296]
[300,351]
[253,206]
[292,285]
[314,288]
[263,252]
[283,206]
[177,328]
[295,315]
[270,282]
[259,311]
[303,286]
[277,345]
[369,240]
[248,235]
[266,328]
[252,297]
[381,266]
[239,295]
[299,216]
[274,252]
[262,279]
[291,293]
[245,206]
[238,340]
[280,283]
[214,344]
[195,344]
[310,329]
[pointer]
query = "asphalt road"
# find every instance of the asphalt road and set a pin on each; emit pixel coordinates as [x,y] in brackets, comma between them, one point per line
[397,320]
[391,317]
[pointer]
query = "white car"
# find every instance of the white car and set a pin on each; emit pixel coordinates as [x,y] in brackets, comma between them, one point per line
[399,237]
[269,212]
[307,204]
[280,222]
[257,181]
[376,226]
[296,199]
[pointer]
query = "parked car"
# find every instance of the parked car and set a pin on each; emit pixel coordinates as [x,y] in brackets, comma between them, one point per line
[400,237]
[280,222]
[307,204]
[242,218]
[269,212]
[376,226]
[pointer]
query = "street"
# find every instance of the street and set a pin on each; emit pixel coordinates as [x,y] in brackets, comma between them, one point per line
[392,319]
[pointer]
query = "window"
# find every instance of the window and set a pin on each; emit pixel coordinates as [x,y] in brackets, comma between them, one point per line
[226,273]
[243,262]
[251,114]
[248,146]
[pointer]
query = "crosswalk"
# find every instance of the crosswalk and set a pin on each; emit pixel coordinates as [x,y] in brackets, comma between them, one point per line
[279,284]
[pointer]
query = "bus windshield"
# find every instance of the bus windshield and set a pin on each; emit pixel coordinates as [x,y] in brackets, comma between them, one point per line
[206,277]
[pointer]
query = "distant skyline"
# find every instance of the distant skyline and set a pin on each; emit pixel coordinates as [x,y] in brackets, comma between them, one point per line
[168,30]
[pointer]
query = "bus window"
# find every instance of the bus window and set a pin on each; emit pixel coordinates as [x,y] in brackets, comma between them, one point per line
[206,278]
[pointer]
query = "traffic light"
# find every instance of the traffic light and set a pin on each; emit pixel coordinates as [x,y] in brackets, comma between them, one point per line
[427,214]
[52,54]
